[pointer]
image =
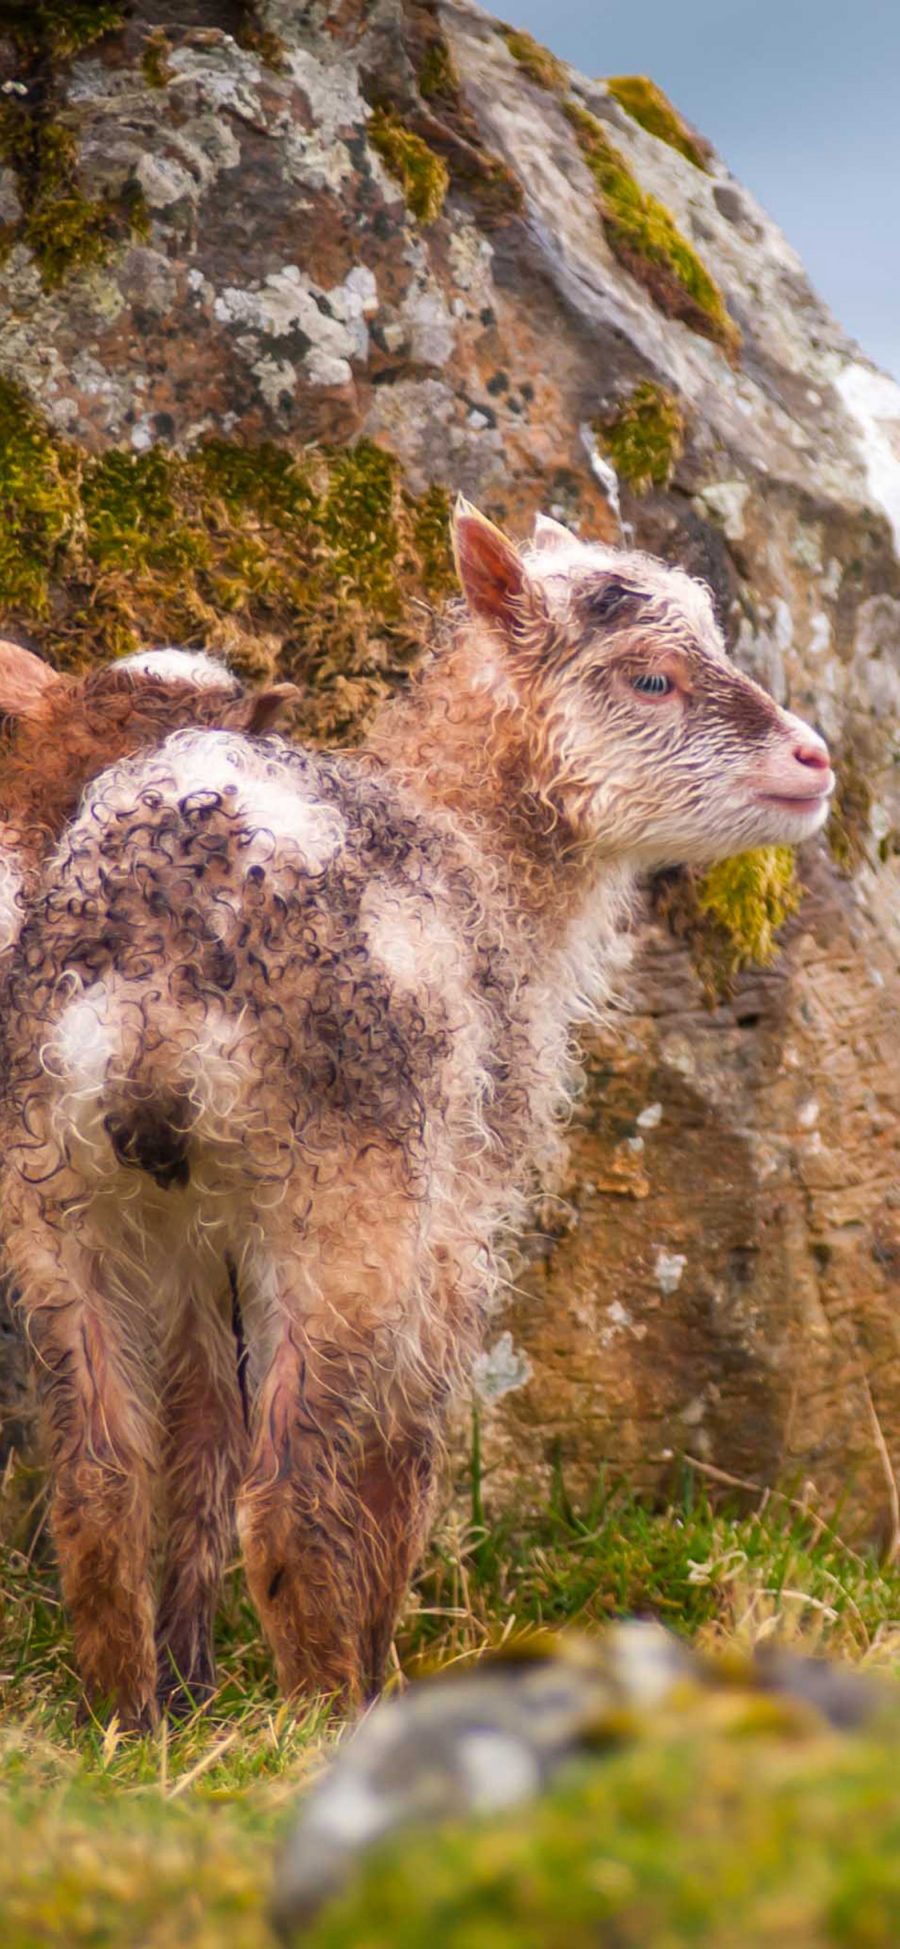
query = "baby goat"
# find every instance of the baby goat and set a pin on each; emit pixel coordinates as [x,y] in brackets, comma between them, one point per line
[59,731]
[288,1035]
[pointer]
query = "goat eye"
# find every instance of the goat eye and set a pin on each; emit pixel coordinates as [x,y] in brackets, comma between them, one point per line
[653,685]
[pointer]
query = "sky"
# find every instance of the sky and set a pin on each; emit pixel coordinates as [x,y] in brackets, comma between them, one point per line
[800,97]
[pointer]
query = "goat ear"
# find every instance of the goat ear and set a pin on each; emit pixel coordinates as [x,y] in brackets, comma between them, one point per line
[266,706]
[24,680]
[489,567]
[549,533]
[260,710]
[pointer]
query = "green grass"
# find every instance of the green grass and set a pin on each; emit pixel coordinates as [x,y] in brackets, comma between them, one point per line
[164,1840]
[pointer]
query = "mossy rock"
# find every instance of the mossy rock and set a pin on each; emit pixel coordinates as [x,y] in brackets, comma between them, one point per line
[59,29]
[423,176]
[646,239]
[438,78]
[65,229]
[449,128]
[731,916]
[314,565]
[725,1835]
[848,826]
[646,104]
[156,67]
[643,436]
[536,61]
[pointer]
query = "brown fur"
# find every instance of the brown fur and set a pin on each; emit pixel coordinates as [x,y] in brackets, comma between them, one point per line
[61,731]
[287,1039]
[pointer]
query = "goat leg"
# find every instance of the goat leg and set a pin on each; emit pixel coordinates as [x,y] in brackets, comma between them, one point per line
[395,1490]
[204,1457]
[101,1451]
[298,1512]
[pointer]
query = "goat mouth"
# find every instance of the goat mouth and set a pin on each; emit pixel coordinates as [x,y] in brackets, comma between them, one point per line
[797,801]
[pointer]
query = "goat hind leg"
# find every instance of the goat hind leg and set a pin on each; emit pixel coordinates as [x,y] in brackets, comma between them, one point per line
[204,1456]
[396,1493]
[102,1470]
[333,1517]
[297,1515]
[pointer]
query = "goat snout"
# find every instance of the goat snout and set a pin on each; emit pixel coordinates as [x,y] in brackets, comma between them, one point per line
[796,774]
[811,751]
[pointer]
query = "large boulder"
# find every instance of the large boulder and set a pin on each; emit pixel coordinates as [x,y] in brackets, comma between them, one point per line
[278,280]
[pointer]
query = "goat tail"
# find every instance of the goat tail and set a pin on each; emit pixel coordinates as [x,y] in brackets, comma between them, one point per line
[153,1135]
[147,1085]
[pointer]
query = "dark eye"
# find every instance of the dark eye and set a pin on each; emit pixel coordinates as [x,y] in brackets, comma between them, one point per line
[653,684]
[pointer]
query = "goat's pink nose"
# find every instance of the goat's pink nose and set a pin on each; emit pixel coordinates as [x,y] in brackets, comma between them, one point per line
[813,753]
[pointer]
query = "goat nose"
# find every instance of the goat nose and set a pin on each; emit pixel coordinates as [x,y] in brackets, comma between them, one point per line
[813,753]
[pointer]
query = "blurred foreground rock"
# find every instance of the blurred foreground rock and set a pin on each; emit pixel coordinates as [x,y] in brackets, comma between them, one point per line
[392,227]
[478,1743]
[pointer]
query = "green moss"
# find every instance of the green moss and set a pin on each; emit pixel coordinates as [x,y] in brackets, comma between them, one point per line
[451,129]
[314,564]
[65,229]
[647,241]
[536,61]
[257,38]
[431,537]
[69,233]
[358,520]
[645,103]
[155,65]
[265,481]
[59,29]
[135,517]
[423,176]
[848,827]
[38,505]
[453,136]
[438,78]
[731,915]
[644,437]
[748,899]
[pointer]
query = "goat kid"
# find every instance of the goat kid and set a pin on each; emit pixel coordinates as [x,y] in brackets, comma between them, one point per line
[59,731]
[288,1037]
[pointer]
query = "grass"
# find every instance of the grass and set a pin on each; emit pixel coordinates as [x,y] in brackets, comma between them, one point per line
[169,1839]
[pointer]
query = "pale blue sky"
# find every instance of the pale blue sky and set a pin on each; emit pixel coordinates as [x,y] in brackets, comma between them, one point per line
[802,98]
